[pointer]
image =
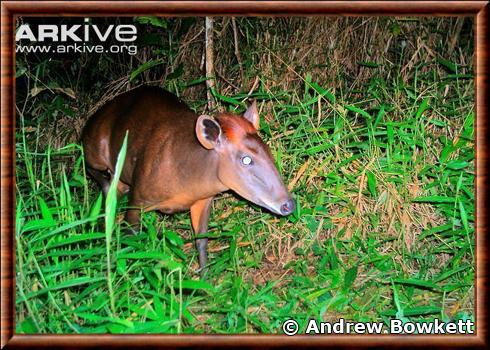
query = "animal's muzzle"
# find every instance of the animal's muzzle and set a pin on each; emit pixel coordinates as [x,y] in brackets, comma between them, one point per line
[288,207]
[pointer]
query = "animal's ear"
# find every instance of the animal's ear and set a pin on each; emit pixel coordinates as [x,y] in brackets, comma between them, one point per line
[208,131]
[252,115]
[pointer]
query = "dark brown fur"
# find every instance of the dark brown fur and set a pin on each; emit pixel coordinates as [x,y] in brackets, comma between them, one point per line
[177,160]
[158,163]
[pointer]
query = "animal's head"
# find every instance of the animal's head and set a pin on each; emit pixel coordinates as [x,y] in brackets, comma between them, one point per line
[245,162]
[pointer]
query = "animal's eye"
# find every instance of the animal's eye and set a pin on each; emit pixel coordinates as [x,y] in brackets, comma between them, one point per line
[246,160]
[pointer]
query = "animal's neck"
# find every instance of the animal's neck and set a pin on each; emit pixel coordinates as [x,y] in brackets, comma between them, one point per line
[208,180]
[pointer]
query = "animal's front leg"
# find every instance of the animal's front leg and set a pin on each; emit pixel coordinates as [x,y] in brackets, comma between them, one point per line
[133,214]
[199,217]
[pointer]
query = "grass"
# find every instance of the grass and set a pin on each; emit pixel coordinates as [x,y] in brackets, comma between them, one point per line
[383,174]
[386,208]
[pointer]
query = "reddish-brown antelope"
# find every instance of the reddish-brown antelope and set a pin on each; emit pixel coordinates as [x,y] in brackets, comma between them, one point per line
[177,160]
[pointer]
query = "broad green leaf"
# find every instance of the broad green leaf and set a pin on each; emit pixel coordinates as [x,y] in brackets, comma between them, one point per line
[379,116]
[464,216]
[154,21]
[37,224]
[422,108]
[225,98]
[96,208]
[143,67]
[45,212]
[457,164]
[435,199]
[358,110]
[414,311]
[174,238]
[448,64]
[369,64]
[417,283]
[350,276]
[323,92]
[371,180]
[194,284]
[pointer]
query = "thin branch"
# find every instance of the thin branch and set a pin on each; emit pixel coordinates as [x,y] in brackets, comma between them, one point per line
[237,51]
[210,77]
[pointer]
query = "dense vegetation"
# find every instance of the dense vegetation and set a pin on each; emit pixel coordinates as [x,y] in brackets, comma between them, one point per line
[371,122]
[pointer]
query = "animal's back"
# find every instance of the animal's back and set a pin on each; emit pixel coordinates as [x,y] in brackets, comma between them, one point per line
[153,118]
[159,126]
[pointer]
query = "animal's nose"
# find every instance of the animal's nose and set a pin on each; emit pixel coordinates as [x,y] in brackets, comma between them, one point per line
[288,207]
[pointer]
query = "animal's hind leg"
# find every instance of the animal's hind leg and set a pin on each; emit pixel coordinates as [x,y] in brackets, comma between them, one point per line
[122,188]
[133,214]
[102,177]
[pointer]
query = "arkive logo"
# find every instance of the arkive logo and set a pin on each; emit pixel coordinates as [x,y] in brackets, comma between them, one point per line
[76,38]
[76,32]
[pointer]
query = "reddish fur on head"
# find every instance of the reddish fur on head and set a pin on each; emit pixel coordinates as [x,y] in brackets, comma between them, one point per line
[235,127]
